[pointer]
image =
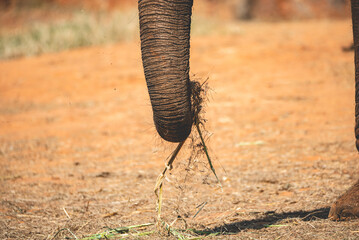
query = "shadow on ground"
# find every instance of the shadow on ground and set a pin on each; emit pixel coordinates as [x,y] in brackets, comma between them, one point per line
[269,219]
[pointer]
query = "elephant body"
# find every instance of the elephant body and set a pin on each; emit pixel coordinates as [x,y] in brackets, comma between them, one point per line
[165,46]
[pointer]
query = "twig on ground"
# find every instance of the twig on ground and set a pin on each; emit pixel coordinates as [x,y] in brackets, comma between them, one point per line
[201,206]
[64,229]
[312,213]
[66,213]
[275,225]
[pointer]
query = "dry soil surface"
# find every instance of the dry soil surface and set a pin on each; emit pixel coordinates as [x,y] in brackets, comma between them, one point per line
[78,148]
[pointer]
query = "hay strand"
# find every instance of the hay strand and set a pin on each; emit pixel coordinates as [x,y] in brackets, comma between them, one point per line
[207,155]
[159,183]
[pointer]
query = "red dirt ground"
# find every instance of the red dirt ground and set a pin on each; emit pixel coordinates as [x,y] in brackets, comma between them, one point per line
[76,133]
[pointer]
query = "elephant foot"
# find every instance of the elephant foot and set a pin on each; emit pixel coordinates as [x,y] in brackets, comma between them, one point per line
[346,206]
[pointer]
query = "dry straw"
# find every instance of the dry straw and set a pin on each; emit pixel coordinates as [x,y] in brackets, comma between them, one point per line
[198,95]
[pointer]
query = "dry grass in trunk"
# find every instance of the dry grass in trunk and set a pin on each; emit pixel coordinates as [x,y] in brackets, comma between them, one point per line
[198,98]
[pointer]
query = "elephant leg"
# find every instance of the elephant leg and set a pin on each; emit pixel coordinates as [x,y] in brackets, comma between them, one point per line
[347,205]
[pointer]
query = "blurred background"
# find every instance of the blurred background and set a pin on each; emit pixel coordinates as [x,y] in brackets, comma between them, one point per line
[79,151]
[32,27]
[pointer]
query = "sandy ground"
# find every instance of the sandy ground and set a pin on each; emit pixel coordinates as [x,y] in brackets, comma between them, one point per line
[76,137]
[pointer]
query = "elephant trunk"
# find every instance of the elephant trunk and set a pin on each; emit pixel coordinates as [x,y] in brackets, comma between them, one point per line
[355,19]
[165,45]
